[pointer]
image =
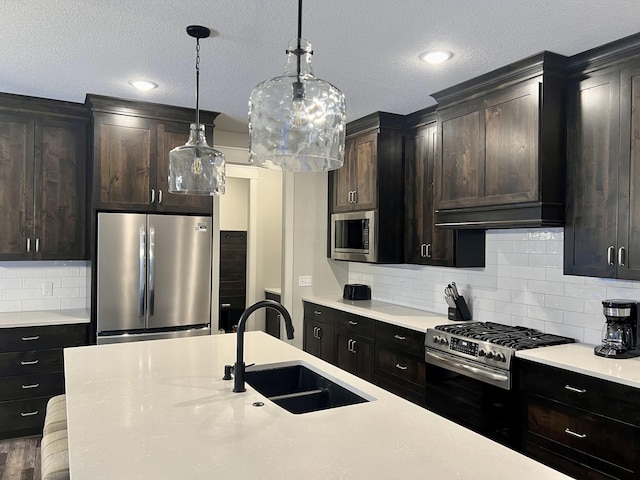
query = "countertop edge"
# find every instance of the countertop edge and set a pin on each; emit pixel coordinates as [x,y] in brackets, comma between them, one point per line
[44,318]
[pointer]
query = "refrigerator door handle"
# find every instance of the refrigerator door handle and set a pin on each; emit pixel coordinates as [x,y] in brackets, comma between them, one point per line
[141,271]
[152,265]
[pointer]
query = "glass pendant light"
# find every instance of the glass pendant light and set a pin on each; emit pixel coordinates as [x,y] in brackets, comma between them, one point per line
[296,120]
[195,168]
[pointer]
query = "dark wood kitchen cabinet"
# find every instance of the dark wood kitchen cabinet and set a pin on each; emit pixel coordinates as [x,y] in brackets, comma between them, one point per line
[31,372]
[319,332]
[354,344]
[603,206]
[581,425]
[131,145]
[42,179]
[424,244]
[272,319]
[500,148]
[399,361]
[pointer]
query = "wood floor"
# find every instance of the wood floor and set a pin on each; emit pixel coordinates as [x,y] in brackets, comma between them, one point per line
[20,458]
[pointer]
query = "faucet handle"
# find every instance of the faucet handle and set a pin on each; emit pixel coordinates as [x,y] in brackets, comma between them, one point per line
[228,369]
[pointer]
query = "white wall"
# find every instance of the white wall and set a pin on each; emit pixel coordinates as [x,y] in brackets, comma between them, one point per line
[522,284]
[234,205]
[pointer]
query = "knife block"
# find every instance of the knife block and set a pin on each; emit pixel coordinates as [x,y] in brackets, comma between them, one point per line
[460,312]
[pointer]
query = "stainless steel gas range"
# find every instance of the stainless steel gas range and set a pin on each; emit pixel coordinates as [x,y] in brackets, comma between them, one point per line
[470,374]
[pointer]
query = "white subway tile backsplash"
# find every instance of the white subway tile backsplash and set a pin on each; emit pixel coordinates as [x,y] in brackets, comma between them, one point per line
[21,285]
[522,284]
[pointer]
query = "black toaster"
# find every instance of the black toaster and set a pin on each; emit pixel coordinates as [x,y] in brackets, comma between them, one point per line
[356,291]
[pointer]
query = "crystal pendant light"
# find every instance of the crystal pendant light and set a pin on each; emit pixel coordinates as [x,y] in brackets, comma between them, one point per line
[195,168]
[296,120]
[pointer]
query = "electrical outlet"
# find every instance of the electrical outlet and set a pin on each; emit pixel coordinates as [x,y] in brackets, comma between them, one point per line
[47,289]
[304,281]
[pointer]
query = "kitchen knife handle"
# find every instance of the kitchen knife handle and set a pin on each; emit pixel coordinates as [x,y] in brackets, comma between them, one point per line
[621,258]
[610,255]
[141,272]
[152,269]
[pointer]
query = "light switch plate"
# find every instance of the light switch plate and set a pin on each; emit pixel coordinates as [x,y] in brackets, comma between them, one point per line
[304,281]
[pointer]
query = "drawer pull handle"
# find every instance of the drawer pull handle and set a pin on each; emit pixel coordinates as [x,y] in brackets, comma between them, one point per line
[33,385]
[28,339]
[401,367]
[317,312]
[351,322]
[399,337]
[579,435]
[574,389]
[30,362]
[28,414]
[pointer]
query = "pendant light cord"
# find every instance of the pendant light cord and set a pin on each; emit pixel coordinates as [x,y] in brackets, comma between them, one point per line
[198,83]
[299,53]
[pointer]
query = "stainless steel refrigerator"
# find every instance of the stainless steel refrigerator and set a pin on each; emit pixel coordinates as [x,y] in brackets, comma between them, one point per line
[153,276]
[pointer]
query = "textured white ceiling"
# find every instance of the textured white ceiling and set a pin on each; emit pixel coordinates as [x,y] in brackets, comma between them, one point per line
[369,49]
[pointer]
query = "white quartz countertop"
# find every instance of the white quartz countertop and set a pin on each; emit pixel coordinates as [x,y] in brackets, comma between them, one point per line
[579,357]
[160,410]
[43,318]
[407,317]
[274,290]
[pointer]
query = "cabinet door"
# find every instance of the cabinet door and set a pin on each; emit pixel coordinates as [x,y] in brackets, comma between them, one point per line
[172,135]
[355,354]
[16,185]
[342,179]
[125,173]
[424,244]
[366,171]
[60,196]
[319,340]
[628,186]
[592,176]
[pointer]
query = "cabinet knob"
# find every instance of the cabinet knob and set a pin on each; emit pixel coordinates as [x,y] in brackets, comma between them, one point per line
[37,244]
[428,250]
[574,389]
[28,245]
[29,414]
[28,339]
[30,362]
[317,312]
[351,322]
[153,195]
[579,435]
[33,385]
[610,250]
[399,337]
[621,259]
[159,196]
[401,367]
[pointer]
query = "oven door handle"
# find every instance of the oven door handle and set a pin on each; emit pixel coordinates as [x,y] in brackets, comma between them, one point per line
[475,370]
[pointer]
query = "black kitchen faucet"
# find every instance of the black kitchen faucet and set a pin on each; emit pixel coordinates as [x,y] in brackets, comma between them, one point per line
[238,367]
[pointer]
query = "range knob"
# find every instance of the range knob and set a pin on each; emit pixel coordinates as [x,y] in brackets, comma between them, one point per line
[481,353]
[443,341]
[489,355]
[500,357]
[436,339]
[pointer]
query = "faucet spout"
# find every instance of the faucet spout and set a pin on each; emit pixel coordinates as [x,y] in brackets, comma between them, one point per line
[239,366]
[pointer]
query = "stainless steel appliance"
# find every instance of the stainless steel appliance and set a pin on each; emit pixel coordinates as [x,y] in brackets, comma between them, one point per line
[620,335]
[470,375]
[354,236]
[153,276]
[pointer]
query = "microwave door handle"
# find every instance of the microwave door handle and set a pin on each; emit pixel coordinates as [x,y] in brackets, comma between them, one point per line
[141,271]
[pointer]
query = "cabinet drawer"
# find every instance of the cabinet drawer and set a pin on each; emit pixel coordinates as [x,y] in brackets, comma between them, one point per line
[319,313]
[355,324]
[589,393]
[31,386]
[600,437]
[415,395]
[564,464]
[30,362]
[409,341]
[407,368]
[42,338]
[22,417]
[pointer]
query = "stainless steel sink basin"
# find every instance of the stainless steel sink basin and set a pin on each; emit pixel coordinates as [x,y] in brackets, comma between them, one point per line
[299,389]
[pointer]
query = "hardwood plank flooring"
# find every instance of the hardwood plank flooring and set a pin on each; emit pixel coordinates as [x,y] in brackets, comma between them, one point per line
[20,458]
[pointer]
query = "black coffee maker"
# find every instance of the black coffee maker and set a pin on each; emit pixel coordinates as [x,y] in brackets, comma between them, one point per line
[620,333]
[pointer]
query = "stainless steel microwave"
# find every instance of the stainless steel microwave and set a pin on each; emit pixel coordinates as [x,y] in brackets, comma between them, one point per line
[354,236]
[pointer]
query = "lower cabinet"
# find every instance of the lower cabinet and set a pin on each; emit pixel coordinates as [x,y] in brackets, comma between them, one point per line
[319,332]
[583,426]
[272,319]
[31,372]
[392,357]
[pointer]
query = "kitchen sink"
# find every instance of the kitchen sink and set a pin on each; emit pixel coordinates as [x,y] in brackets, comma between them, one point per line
[299,389]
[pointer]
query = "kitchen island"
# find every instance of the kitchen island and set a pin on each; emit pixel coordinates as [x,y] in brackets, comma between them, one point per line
[160,410]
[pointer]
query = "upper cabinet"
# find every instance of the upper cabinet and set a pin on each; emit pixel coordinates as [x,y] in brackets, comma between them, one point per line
[131,145]
[500,148]
[372,178]
[42,179]
[373,152]
[603,205]
[424,244]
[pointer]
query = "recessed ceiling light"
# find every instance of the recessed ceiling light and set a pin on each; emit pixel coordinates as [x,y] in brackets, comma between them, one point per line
[143,84]
[435,56]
